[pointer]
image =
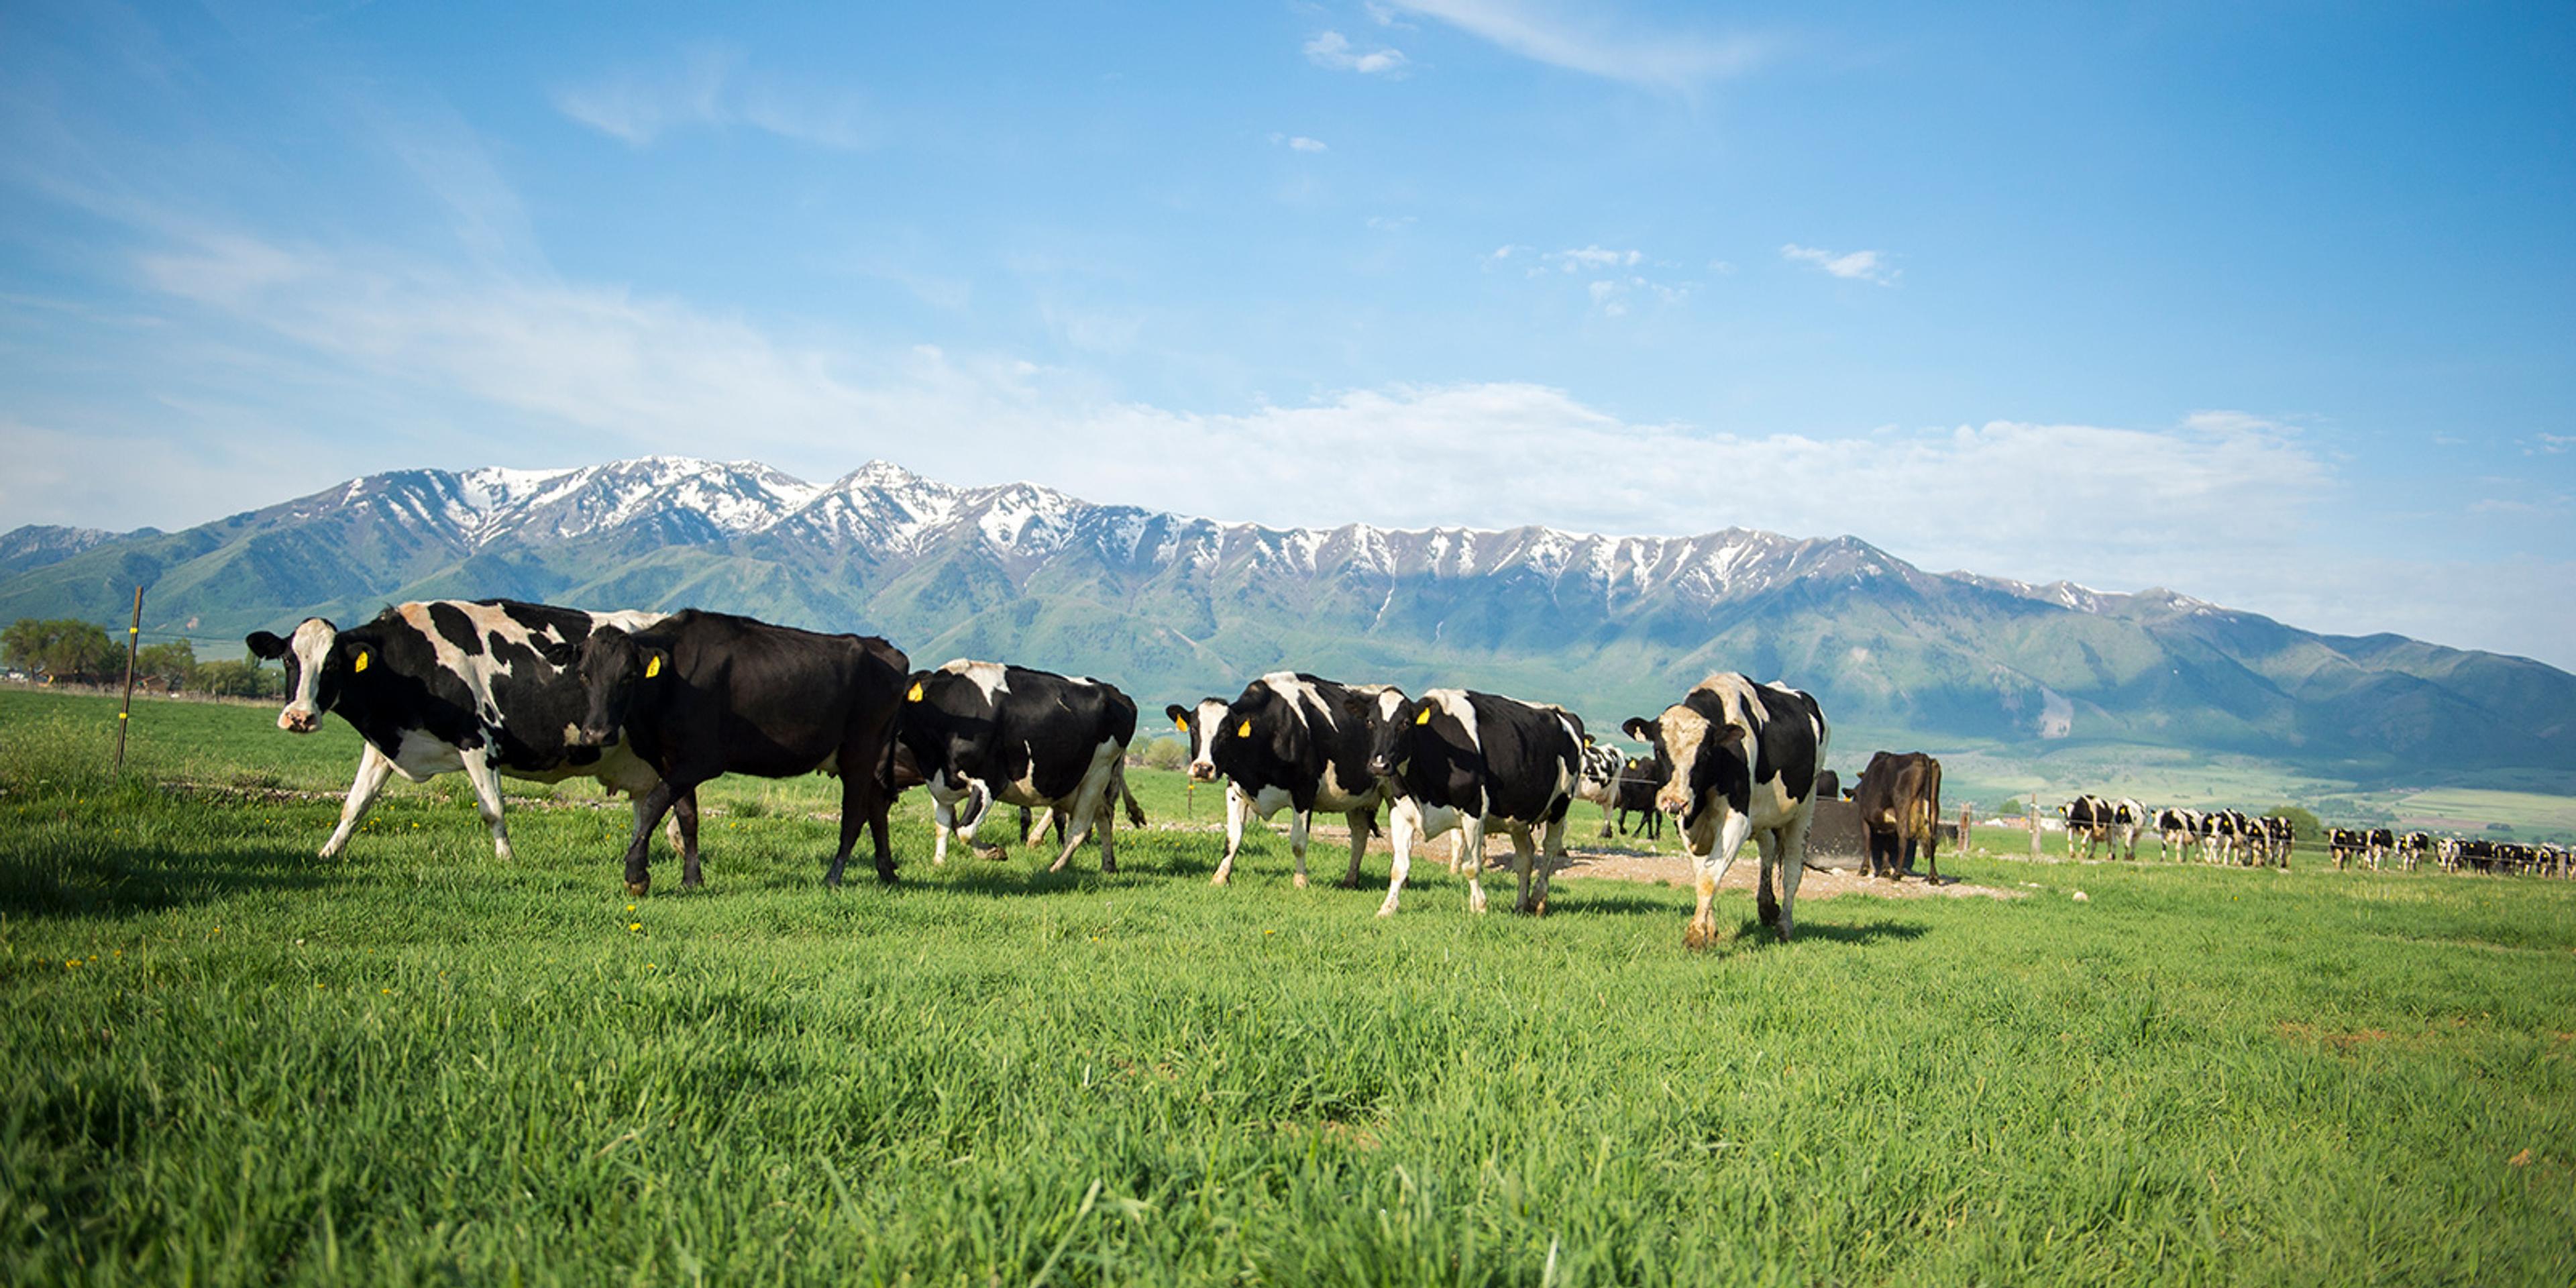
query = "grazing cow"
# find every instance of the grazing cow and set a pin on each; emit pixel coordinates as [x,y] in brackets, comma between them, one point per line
[699,695]
[984,732]
[443,685]
[2088,818]
[1600,782]
[1474,761]
[1638,783]
[2177,829]
[1739,761]
[1900,810]
[2346,843]
[1292,741]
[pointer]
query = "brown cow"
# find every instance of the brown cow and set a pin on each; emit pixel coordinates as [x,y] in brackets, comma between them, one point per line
[1899,796]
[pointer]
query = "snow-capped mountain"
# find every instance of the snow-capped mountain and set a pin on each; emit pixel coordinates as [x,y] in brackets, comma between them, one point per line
[1178,606]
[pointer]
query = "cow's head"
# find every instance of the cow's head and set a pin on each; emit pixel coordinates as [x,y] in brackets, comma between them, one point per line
[1202,725]
[617,671]
[319,664]
[1399,724]
[1695,752]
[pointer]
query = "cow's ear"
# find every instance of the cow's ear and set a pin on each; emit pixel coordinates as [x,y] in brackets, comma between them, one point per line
[1180,716]
[657,662]
[1642,730]
[264,645]
[559,655]
[360,657]
[1359,706]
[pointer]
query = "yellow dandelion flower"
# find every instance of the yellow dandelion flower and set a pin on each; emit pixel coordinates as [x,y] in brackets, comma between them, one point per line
[634,925]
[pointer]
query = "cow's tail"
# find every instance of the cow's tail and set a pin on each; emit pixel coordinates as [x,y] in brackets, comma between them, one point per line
[1135,812]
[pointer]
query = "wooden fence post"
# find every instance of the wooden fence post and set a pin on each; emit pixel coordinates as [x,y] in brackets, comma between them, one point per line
[2034,825]
[133,641]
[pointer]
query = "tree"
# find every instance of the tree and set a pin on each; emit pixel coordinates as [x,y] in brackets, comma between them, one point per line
[1165,753]
[238,680]
[2303,824]
[62,648]
[170,665]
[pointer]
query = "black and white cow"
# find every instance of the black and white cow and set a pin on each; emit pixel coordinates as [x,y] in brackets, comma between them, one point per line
[1600,780]
[1740,762]
[2345,844]
[984,733]
[2412,848]
[2177,830]
[438,686]
[2283,836]
[2088,819]
[1473,762]
[1290,741]
[699,695]
[2128,818]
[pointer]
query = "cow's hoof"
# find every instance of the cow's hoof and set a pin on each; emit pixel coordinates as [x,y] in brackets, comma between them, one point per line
[1300,879]
[1770,914]
[638,888]
[693,883]
[831,880]
[887,878]
[1386,910]
[1695,936]
[1351,882]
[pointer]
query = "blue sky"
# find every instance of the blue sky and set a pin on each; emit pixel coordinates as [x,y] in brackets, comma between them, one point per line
[2270,303]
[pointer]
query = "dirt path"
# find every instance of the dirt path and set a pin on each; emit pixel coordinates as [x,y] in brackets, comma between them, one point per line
[1591,857]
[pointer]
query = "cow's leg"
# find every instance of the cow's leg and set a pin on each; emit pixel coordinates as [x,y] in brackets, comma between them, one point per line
[1606,803]
[1359,820]
[943,820]
[684,838]
[1779,849]
[1108,826]
[487,796]
[1298,821]
[648,815]
[1523,850]
[1551,855]
[1471,842]
[1712,869]
[1087,806]
[1931,853]
[374,767]
[1403,826]
[1235,808]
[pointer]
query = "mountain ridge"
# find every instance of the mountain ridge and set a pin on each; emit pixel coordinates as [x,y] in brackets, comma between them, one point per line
[1166,602]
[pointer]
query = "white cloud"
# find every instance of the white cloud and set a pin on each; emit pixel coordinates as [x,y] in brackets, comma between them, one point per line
[711,88]
[1578,39]
[1301,143]
[1392,223]
[1335,50]
[2553,444]
[1594,257]
[1859,265]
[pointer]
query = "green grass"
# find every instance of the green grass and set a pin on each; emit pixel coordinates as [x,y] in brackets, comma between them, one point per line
[419,1064]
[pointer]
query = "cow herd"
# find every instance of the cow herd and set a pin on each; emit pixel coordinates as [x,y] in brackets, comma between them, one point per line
[655,705]
[2232,836]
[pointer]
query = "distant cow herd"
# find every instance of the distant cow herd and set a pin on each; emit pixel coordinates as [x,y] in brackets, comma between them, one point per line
[654,705]
[2232,836]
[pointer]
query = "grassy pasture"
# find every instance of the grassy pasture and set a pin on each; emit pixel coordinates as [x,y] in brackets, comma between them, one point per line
[232,1063]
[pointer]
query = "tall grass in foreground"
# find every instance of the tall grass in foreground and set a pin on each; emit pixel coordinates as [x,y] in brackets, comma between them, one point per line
[232,1063]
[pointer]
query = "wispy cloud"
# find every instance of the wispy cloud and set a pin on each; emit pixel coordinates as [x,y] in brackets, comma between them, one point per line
[1858,266]
[2550,444]
[1335,50]
[1592,257]
[1299,143]
[716,89]
[1581,39]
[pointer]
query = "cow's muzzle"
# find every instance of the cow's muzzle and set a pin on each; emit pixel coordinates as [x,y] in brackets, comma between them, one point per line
[1202,772]
[297,720]
[1671,802]
[1381,767]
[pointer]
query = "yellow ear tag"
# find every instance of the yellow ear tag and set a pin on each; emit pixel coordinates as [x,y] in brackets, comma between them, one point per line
[1181,723]
[1422,717]
[1243,730]
[652,666]
[361,667]
[915,695]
